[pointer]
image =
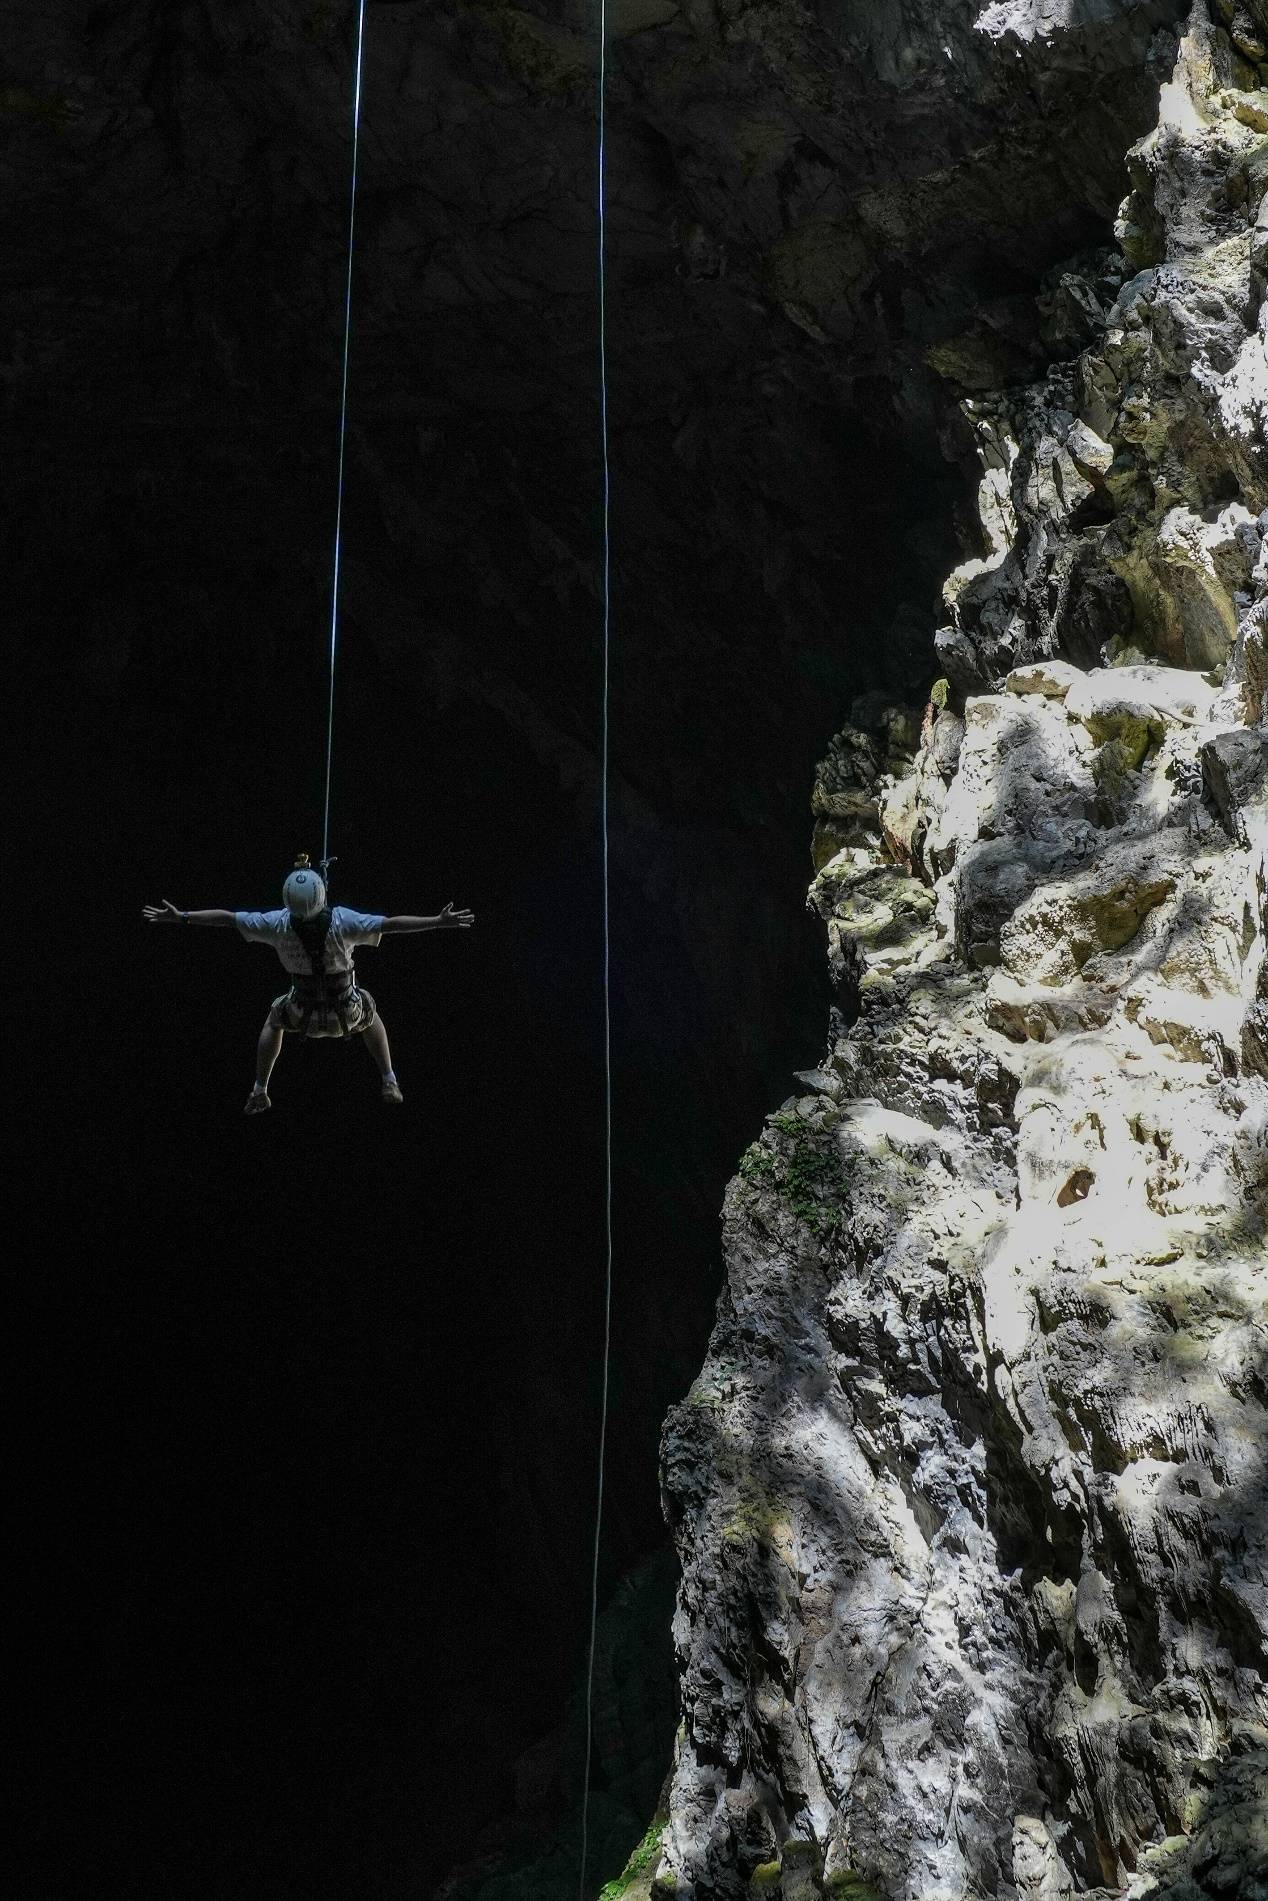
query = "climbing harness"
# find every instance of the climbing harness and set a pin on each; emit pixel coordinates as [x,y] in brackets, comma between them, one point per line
[343,434]
[316,999]
[320,994]
[607,934]
[320,989]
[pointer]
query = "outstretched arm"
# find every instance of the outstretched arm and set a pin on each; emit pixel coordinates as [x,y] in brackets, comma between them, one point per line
[446,920]
[167,913]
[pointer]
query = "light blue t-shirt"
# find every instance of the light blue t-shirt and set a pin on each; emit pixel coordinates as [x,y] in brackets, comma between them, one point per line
[347,930]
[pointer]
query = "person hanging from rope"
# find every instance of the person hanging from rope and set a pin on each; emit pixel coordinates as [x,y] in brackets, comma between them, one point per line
[315,943]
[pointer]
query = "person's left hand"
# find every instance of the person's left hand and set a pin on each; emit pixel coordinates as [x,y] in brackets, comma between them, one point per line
[451,920]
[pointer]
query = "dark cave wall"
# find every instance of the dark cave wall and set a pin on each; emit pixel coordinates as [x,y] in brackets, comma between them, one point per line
[802,205]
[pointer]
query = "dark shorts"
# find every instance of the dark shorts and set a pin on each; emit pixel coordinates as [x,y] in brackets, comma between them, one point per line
[347,1015]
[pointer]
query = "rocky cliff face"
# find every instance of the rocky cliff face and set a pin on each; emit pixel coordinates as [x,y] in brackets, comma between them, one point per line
[970,1492]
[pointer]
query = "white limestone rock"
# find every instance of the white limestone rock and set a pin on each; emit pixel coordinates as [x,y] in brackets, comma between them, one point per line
[1052,678]
[969,1495]
[1146,692]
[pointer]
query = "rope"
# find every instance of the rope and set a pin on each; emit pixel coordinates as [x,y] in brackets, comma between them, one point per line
[343,429]
[607,934]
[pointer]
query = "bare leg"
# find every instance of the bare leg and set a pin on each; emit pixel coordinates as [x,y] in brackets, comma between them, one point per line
[267,1053]
[375,1038]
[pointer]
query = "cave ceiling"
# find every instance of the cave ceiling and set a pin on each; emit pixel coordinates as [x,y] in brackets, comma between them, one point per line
[813,211]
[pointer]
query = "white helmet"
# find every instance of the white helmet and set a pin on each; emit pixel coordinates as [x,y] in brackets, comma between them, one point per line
[304,894]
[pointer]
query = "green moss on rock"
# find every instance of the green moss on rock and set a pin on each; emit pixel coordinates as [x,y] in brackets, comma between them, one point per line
[544,57]
[758,1517]
[804,1169]
[639,1863]
[1133,733]
[846,1885]
[50,107]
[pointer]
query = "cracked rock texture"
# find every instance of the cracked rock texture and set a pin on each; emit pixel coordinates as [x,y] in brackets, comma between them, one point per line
[970,1492]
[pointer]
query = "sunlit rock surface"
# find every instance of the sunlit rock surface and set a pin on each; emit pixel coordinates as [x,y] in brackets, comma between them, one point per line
[970,1492]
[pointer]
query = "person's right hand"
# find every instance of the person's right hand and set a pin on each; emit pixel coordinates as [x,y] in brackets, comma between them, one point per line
[451,920]
[165,913]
